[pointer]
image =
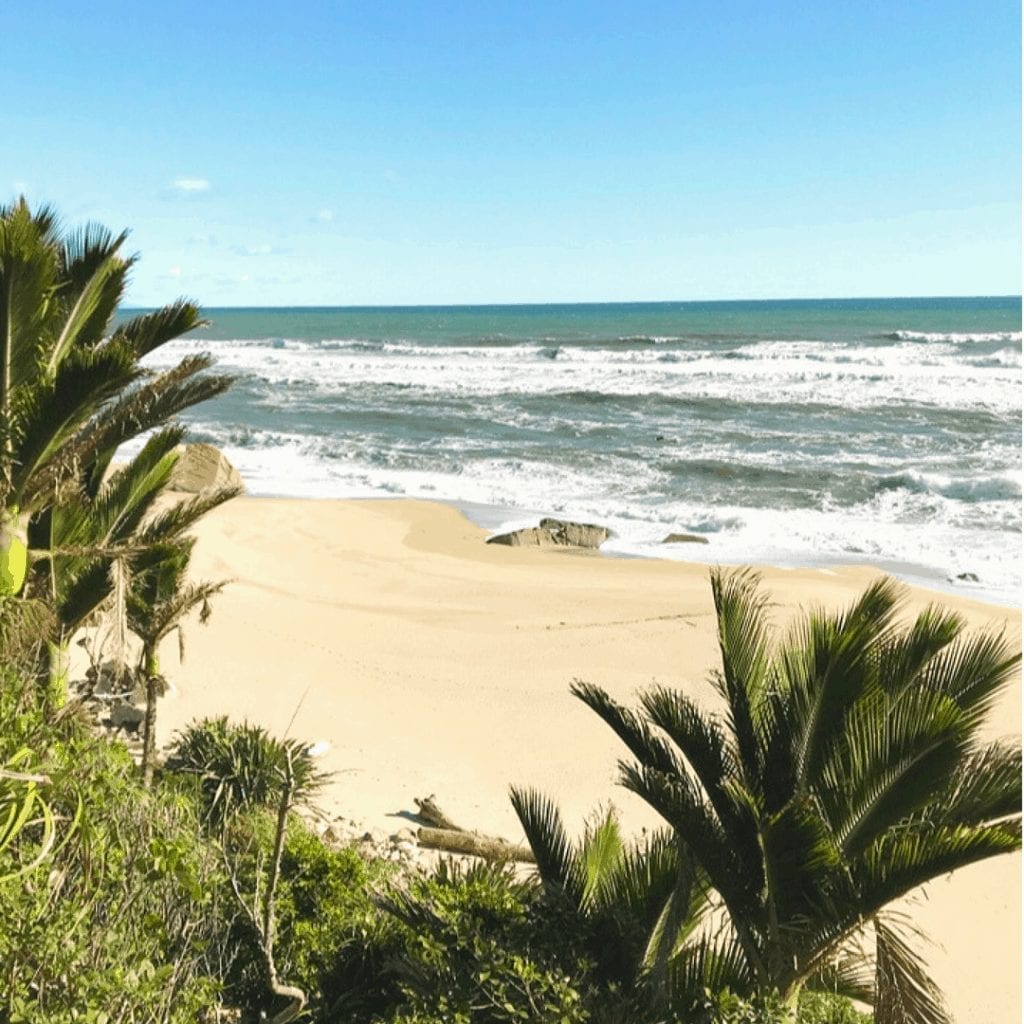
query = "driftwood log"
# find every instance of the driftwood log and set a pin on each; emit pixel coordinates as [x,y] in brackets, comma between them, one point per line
[441,833]
[430,814]
[488,847]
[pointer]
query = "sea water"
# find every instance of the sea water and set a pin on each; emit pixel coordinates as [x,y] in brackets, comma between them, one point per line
[885,432]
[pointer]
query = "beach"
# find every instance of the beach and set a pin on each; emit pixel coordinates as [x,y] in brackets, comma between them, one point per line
[433,663]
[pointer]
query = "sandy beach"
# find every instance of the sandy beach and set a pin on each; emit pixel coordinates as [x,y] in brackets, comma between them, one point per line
[435,664]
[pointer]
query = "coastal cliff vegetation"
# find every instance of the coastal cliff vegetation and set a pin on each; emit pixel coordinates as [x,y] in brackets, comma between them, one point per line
[831,772]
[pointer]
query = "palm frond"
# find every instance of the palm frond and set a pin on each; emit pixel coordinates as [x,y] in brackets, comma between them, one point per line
[151,330]
[94,280]
[985,788]
[893,761]
[707,966]
[908,856]
[851,974]
[744,644]
[558,864]
[902,658]
[710,753]
[173,521]
[645,744]
[600,854]
[973,671]
[51,415]
[831,667]
[903,990]
[29,273]
[150,405]
[680,803]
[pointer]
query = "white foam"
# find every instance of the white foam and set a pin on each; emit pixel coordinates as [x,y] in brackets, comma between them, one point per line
[765,372]
[956,337]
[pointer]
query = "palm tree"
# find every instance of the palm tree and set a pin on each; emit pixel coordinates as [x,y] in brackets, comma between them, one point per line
[638,903]
[157,601]
[115,526]
[71,385]
[843,770]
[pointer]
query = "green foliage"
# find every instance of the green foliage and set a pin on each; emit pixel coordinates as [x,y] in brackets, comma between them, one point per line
[333,941]
[813,1008]
[481,947]
[127,916]
[844,769]
[240,767]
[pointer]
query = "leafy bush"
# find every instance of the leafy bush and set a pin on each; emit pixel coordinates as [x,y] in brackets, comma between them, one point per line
[126,918]
[813,1008]
[480,946]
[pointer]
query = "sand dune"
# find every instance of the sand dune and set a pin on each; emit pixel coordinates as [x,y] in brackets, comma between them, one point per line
[433,663]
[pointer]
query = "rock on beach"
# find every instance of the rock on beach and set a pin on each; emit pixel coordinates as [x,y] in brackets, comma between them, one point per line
[201,467]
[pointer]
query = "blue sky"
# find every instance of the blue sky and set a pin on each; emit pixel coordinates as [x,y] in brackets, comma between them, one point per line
[390,153]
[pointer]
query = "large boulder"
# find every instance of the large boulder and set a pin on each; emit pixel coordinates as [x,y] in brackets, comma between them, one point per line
[201,467]
[554,533]
[685,538]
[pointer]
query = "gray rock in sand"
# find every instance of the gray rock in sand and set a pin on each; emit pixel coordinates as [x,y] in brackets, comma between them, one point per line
[684,538]
[554,533]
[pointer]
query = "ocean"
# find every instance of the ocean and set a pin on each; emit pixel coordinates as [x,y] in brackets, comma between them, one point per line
[792,433]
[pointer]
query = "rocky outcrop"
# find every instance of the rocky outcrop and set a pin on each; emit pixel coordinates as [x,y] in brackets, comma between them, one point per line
[684,538]
[554,533]
[202,467]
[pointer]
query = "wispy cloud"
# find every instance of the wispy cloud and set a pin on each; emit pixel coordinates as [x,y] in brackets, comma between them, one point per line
[325,216]
[190,185]
[175,271]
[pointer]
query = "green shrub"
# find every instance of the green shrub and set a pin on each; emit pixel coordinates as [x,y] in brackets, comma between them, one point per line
[481,947]
[127,917]
[813,1008]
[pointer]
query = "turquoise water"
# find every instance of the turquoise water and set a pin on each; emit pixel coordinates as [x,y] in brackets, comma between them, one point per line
[882,431]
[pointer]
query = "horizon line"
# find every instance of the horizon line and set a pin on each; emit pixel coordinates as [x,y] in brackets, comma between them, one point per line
[584,302]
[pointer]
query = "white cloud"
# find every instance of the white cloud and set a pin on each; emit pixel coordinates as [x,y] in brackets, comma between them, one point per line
[175,271]
[325,216]
[21,187]
[191,184]
[259,250]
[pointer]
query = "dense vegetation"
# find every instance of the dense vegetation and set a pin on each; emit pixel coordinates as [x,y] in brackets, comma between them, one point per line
[841,769]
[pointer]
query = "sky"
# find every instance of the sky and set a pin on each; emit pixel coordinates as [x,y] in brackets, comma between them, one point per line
[386,153]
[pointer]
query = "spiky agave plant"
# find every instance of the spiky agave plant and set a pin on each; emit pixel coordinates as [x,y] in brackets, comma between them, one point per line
[844,769]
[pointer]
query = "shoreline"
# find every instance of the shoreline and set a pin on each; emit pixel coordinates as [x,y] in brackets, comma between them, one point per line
[495,519]
[435,664]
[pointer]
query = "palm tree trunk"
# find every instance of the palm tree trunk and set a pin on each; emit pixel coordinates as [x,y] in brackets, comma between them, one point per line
[58,667]
[151,673]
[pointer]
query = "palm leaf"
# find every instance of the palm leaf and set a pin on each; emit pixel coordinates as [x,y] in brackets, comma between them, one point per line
[558,863]
[151,330]
[599,856]
[743,641]
[830,667]
[94,279]
[903,990]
